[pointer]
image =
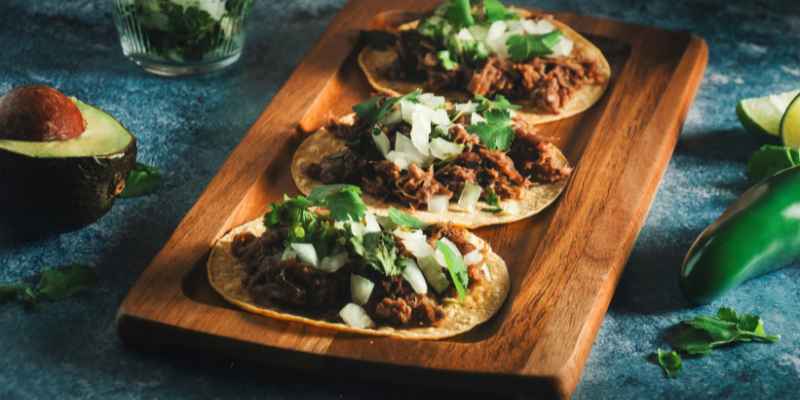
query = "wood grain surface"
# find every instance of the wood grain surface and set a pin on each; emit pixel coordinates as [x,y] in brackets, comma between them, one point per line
[564,263]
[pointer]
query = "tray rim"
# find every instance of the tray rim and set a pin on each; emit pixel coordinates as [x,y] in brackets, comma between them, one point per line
[333,45]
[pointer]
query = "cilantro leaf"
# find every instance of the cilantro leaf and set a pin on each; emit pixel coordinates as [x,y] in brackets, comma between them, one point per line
[496,132]
[459,13]
[400,218]
[373,110]
[58,284]
[771,159]
[699,335]
[456,267]
[524,47]
[496,11]
[670,362]
[54,284]
[142,180]
[343,201]
[490,197]
[500,102]
[447,63]
[380,253]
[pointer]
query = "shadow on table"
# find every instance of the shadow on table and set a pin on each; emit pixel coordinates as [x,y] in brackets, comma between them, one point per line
[650,282]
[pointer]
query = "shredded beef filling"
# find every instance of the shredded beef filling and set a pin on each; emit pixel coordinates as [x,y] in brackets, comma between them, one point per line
[298,285]
[531,158]
[548,82]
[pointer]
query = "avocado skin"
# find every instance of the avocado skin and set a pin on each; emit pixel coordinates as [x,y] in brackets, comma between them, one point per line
[44,196]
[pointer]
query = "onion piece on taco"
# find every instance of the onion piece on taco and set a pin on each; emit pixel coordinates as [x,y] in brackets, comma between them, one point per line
[323,260]
[487,49]
[471,164]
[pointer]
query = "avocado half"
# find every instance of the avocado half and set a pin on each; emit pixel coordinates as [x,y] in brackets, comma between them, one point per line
[57,186]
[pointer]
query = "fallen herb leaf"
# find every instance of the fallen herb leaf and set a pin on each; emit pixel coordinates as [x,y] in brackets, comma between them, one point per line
[670,362]
[142,180]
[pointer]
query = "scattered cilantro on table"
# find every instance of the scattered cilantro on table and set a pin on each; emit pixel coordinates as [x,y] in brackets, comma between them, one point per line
[141,181]
[771,159]
[700,335]
[54,284]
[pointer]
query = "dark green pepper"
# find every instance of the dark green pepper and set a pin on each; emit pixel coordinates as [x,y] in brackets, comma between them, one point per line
[757,234]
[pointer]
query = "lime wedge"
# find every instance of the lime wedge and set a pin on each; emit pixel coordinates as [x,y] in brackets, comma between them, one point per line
[790,124]
[762,115]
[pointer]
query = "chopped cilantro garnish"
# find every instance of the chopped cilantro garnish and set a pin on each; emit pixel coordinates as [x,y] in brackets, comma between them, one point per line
[447,63]
[490,197]
[496,11]
[524,47]
[343,201]
[496,132]
[500,102]
[373,110]
[456,267]
[400,218]
[379,252]
[459,13]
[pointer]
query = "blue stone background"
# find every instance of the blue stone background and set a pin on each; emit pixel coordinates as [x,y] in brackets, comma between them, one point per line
[188,126]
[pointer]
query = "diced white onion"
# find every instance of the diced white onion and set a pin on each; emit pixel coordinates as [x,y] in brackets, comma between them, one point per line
[288,253]
[478,32]
[537,27]
[371,223]
[440,118]
[466,108]
[382,142]
[445,149]
[431,100]
[465,35]
[496,39]
[562,48]
[438,203]
[415,242]
[354,315]
[469,196]
[399,159]
[413,275]
[393,117]
[473,257]
[357,229]
[476,118]
[334,262]
[404,145]
[306,253]
[421,129]
[434,273]
[360,289]
[407,110]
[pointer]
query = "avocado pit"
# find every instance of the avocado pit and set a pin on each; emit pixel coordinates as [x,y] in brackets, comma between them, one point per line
[39,113]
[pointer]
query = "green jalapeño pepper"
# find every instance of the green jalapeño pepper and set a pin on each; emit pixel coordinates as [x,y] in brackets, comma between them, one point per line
[757,234]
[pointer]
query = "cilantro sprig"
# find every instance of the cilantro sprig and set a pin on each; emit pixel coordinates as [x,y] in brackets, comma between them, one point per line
[379,252]
[54,284]
[524,47]
[456,268]
[142,180]
[401,218]
[699,336]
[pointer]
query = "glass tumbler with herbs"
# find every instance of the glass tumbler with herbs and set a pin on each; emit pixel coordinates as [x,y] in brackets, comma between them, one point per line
[181,37]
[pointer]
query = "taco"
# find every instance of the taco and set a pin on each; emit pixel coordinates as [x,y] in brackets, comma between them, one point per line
[471,164]
[323,260]
[488,49]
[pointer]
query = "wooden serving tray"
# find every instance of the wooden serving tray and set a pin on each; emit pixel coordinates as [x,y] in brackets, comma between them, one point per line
[564,263]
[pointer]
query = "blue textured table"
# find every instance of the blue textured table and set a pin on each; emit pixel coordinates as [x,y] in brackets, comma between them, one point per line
[187,127]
